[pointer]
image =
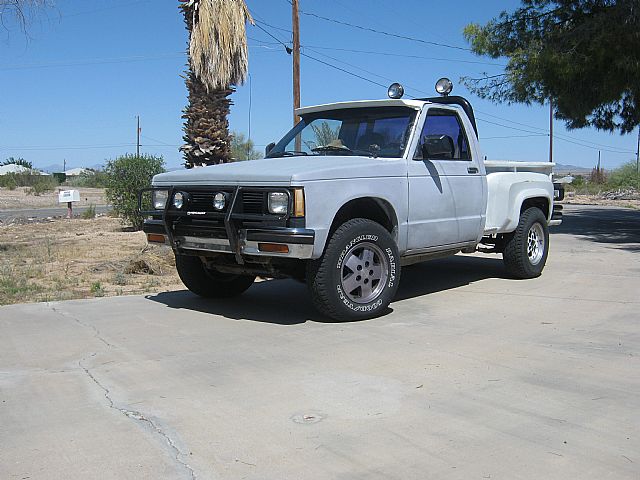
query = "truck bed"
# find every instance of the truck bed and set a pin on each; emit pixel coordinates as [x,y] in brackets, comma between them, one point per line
[494,166]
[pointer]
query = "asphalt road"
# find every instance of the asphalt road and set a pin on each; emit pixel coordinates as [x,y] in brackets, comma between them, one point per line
[472,375]
[39,213]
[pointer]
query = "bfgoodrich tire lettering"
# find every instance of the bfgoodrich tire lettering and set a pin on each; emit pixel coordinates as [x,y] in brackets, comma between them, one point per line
[358,275]
[526,249]
[209,283]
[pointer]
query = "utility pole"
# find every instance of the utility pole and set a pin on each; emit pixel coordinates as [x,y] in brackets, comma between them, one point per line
[295,21]
[249,134]
[138,137]
[638,162]
[550,130]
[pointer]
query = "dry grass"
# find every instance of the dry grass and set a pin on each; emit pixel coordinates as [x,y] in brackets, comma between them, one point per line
[585,199]
[67,259]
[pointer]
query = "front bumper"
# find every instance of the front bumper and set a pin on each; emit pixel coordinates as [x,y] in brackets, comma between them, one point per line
[293,242]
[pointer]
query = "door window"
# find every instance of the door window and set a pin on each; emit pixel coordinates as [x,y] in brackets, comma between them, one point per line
[444,137]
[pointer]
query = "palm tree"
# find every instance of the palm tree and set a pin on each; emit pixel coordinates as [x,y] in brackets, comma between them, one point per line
[218,60]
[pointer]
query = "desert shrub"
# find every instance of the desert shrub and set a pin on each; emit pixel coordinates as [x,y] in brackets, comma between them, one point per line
[92,179]
[41,184]
[97,290]
[126,176]
[624,177]
[90,212]
[8,181]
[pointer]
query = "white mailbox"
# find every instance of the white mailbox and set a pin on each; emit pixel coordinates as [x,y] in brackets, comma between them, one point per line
[66,196]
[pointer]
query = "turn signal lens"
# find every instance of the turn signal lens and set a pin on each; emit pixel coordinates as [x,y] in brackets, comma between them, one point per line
[273,248]
[298,202]
[156,238]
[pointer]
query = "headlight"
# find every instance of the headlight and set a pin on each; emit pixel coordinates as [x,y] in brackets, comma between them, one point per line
[219,201]
[178,200]
[278,203]
[159,199]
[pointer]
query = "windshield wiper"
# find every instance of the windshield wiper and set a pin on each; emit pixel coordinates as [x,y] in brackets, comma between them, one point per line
[345,150]
[286,153]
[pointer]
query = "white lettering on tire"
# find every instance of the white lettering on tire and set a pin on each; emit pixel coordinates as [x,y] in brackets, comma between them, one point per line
[359,238]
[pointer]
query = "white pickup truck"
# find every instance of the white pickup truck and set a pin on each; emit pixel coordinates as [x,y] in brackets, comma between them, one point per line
[353,193]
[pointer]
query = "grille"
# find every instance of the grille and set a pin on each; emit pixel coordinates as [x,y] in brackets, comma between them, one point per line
[201,201]
[253,202]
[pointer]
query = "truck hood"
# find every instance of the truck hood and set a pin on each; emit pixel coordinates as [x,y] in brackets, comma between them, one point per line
[284,171]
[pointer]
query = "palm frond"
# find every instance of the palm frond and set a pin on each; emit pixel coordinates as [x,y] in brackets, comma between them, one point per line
[218,42]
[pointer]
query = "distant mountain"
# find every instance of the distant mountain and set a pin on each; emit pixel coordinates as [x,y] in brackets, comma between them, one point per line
[561,168]
[53,168]
[58,167]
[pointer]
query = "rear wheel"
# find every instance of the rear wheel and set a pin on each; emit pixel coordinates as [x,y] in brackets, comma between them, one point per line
[526,249]
[209,283]
[358,275]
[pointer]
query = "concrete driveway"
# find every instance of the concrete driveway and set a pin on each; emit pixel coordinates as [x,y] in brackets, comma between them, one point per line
[470,376]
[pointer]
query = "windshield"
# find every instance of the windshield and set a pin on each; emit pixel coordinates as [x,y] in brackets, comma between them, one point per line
[375,132]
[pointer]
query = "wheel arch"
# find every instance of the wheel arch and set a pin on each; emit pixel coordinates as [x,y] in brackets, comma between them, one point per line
[542,203]
[371,208]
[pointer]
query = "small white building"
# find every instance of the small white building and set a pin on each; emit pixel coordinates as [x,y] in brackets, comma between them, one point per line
[74,172]
[13,168]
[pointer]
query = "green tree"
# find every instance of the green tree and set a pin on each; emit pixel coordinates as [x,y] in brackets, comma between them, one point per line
[126,176]
[18,161]
[324,133]
[243,148]
[218,60]
[584,55]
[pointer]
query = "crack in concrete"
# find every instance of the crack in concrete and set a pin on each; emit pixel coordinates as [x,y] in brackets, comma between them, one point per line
[97,333]
[136,415]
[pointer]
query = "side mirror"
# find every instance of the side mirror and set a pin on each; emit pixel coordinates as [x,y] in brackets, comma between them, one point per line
[269,148]
[438,147]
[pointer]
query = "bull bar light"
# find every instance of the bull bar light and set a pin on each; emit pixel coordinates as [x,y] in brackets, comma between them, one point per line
[159,199]
[278,203]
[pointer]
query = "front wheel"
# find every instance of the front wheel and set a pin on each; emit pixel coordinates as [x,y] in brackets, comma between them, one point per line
[209,283]
[526,249]
[358,275]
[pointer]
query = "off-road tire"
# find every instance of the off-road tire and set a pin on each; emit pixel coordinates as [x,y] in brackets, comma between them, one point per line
[208,283]
[521,258]
[326,276]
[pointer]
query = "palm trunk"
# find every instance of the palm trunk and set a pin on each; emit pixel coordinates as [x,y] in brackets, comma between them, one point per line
[206,128]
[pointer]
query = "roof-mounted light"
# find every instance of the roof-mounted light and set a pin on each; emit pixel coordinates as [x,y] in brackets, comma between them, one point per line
[444,86]
[395,91]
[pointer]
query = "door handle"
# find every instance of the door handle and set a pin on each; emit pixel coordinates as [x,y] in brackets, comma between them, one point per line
[472,169]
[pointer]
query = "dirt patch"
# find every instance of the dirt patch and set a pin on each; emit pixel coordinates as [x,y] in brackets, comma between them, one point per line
[625,199]
[74,258]
[18,198]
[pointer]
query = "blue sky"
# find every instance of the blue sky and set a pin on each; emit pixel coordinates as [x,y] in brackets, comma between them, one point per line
[72,89]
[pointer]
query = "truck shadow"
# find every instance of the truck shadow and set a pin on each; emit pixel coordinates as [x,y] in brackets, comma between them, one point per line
[287,302]
[615,226]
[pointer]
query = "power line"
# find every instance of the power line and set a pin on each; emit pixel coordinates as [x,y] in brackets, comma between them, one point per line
[619,152]
[343,70]
[95,61]
[392,54]
[381,32]
[507,126]
[517,136]
[286,47]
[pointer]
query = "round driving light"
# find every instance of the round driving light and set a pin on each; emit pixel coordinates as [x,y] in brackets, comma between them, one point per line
[219,201]
[178,200]
[444,86]
[395,91]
